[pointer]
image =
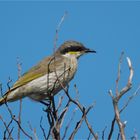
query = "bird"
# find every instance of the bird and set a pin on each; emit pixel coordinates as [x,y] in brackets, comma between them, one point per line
[49,76]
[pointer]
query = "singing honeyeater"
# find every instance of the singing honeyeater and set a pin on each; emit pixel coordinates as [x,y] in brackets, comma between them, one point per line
[49,76]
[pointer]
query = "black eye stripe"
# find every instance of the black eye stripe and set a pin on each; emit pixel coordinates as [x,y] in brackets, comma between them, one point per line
[72,49]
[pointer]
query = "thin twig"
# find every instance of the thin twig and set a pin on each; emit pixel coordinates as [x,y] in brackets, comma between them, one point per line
[112,128]
[6,127]
[10,122]
[62,114]
[1,92]
[68,125]
[115,100]
[59,121]
[119,73]
[57,30]
[121,110]
[9,82]
[33,131]
[53,117]
[103,133]
[20,104]
[9,137]
[89,136]
[59,102]
[91,130]
[79,123]
[13,117]
[76,102]
[130,98]
[55,120]
[118,137]
[43,130]
[129,83]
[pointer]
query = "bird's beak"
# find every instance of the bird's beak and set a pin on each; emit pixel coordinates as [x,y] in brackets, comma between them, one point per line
[89,51]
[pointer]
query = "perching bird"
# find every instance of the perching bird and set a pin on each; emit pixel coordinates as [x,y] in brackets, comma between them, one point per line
[49,76]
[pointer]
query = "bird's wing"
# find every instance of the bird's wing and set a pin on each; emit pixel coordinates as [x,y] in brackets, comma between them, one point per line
[37,71]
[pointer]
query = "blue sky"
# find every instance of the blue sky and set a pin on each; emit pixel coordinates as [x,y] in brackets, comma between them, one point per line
[27,30]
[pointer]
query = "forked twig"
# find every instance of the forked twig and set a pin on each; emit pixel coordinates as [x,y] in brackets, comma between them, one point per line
[121,110]
[79,123]
[117,97]
[17,122]
[6,128]
[55,120]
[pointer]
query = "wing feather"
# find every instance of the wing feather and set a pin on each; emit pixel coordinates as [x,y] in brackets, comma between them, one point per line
[37,71]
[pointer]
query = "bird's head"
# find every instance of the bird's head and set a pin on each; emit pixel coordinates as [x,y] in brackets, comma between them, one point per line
[73,48]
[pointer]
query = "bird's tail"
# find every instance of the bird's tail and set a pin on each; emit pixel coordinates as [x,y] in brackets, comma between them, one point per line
[2,100]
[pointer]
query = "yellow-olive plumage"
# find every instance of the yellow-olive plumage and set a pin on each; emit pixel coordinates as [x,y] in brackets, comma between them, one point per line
[49,76]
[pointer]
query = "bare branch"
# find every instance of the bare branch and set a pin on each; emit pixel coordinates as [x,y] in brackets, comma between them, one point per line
[13,117]
[1,92]
[110,93]
[55,120]
[6,128]
[33,131]
[9,82]
[20,104]
[19,68]
[120,124]
[115,100]
[88,138]
[103,133]
[79,123]
[130,98]
[129,83]
[57,30]
[121,110]
[62,114]
[59,103]
[76,102]
[119,73]
[118,137]
[43,130]
[68,125]
[9,137]
[91,130]
[112,128]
